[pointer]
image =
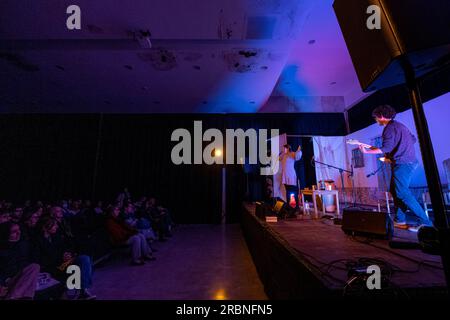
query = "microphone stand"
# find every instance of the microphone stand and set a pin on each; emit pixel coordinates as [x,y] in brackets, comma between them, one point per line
[374,172]
[341,172]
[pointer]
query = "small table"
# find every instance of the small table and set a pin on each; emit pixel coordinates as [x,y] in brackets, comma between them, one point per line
[320,193]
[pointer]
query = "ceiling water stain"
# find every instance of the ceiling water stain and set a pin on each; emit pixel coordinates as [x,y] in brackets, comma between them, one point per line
[161,59]
[245,60]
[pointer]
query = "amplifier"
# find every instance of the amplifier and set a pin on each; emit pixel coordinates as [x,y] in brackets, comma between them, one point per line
[278,209]
[262,210]
[367,223]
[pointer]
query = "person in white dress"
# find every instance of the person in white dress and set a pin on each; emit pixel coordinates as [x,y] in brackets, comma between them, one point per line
[288,175]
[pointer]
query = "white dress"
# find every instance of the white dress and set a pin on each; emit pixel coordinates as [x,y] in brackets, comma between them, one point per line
[287,160]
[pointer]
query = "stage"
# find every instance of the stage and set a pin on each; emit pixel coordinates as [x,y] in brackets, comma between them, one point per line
[303,258]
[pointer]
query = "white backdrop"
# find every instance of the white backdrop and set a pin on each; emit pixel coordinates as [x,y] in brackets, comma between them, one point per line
[333,151]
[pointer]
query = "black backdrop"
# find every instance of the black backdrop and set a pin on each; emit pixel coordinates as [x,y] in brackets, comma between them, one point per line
[93,156]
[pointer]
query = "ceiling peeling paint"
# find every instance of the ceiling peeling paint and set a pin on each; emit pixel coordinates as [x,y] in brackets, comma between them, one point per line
[233,54]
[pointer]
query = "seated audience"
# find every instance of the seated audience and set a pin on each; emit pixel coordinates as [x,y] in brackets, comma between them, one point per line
[48,237]
[29,224]
[18,275]
[5,217]
[17,214]
[64,227]
[121,233]
[99,208]
[55,254]
[129,216]
[159,217]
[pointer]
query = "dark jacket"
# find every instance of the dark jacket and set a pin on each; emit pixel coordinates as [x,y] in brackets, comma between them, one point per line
[14,256]
[49,252]
[29,233]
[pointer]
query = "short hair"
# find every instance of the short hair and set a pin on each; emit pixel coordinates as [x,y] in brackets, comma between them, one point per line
[385,111]
[288,147]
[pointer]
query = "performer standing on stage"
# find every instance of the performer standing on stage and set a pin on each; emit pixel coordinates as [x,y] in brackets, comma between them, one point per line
[288,176]
[398,146]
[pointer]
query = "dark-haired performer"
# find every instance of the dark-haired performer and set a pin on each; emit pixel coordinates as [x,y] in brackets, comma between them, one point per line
[398,146]
[288,175]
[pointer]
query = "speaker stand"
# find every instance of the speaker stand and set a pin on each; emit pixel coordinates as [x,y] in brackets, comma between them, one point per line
[429,162]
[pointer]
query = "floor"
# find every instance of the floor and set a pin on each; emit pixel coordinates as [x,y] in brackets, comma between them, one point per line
[200,262]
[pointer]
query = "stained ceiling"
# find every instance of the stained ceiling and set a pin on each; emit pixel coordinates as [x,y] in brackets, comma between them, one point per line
[206,56]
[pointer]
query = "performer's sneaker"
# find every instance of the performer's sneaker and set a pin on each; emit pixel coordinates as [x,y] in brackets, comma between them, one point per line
[86,295]
[401,225]
[415,228]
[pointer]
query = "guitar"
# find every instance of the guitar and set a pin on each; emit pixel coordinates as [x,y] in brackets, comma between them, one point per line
[367,146]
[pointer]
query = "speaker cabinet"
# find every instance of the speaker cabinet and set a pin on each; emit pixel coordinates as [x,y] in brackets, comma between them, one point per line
[367,223]
[417,31]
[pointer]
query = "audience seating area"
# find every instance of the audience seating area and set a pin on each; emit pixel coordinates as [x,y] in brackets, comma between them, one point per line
[39,241]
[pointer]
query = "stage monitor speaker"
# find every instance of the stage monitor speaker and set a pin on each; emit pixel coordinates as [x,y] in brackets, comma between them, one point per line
[367,223]
[277,208]
[262,210]
[410,30]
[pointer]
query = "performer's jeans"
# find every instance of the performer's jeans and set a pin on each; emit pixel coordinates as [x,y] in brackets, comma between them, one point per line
[403,198]
[85,264]
[290,189]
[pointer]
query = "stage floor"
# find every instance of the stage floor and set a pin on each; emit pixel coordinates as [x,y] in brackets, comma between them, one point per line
[319,243]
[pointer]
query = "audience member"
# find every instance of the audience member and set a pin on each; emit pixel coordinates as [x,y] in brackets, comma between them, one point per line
[18,275]
[55,254]
[121,234]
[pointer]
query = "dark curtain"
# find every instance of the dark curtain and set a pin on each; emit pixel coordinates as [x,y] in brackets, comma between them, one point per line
[306,173]
[91,156]
[47,156]
[135,152]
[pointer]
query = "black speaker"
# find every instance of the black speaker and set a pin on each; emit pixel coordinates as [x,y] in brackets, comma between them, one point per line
[276,207]
[417,31]
[367,223]
[262,210]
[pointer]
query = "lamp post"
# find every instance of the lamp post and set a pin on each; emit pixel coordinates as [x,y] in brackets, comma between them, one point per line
[219,153]
[430,166]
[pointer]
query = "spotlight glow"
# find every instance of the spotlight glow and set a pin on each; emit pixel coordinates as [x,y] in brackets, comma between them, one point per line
[220,295]
[217,153]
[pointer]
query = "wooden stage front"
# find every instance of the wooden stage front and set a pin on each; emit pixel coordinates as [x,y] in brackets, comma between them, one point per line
[304,258]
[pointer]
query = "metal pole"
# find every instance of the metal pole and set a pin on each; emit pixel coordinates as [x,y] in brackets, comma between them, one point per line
[431,170]
[224,195]
[97,156]
[343,188]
